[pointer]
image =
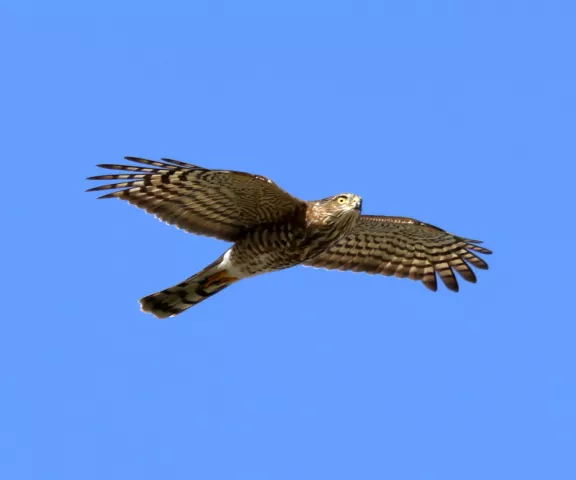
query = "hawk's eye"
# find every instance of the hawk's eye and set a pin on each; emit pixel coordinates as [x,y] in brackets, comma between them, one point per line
[341,200]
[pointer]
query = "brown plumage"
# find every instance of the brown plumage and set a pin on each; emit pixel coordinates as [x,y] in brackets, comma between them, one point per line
[273,230]
[404,247]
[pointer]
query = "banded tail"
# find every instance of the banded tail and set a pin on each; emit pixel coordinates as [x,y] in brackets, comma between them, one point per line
[176,299]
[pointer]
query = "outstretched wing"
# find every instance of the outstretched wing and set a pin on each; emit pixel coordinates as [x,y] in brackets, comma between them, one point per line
[215,203]
[404,247]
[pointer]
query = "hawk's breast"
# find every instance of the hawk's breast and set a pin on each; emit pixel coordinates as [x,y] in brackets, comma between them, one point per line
[278,246]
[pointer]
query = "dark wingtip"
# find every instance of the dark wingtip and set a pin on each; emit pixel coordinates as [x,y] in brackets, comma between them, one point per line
[431,285]
[474,245]
[179,163]
[102,187]
[108,195]
[476,248]
[453,287]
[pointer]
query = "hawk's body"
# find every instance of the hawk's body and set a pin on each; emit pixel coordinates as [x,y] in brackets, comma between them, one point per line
[273,230]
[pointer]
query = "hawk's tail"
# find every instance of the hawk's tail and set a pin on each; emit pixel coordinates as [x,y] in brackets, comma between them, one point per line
[176,299]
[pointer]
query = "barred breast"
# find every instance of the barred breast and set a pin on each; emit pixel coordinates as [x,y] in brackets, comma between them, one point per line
[279,246]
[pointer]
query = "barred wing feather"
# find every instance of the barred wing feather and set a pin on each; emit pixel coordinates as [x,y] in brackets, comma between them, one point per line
[404,247]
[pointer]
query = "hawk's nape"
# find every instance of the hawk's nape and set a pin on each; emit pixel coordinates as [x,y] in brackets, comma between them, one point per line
[404,247]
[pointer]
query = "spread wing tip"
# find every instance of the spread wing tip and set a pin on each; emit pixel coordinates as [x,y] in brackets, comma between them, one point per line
[165,163]
[478,249]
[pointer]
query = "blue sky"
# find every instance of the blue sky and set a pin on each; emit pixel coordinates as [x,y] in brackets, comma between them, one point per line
[459,115]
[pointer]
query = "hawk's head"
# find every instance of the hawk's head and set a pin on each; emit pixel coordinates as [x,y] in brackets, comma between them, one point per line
[342,210]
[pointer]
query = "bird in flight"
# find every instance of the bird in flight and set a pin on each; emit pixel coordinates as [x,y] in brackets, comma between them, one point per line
[272,230]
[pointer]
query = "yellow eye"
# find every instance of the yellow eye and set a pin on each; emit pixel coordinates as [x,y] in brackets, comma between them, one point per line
[341,200]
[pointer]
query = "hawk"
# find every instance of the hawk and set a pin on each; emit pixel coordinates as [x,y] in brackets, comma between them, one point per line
[272,230]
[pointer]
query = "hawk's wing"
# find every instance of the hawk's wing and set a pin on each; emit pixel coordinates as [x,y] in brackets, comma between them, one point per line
[216,203]
[404,247]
